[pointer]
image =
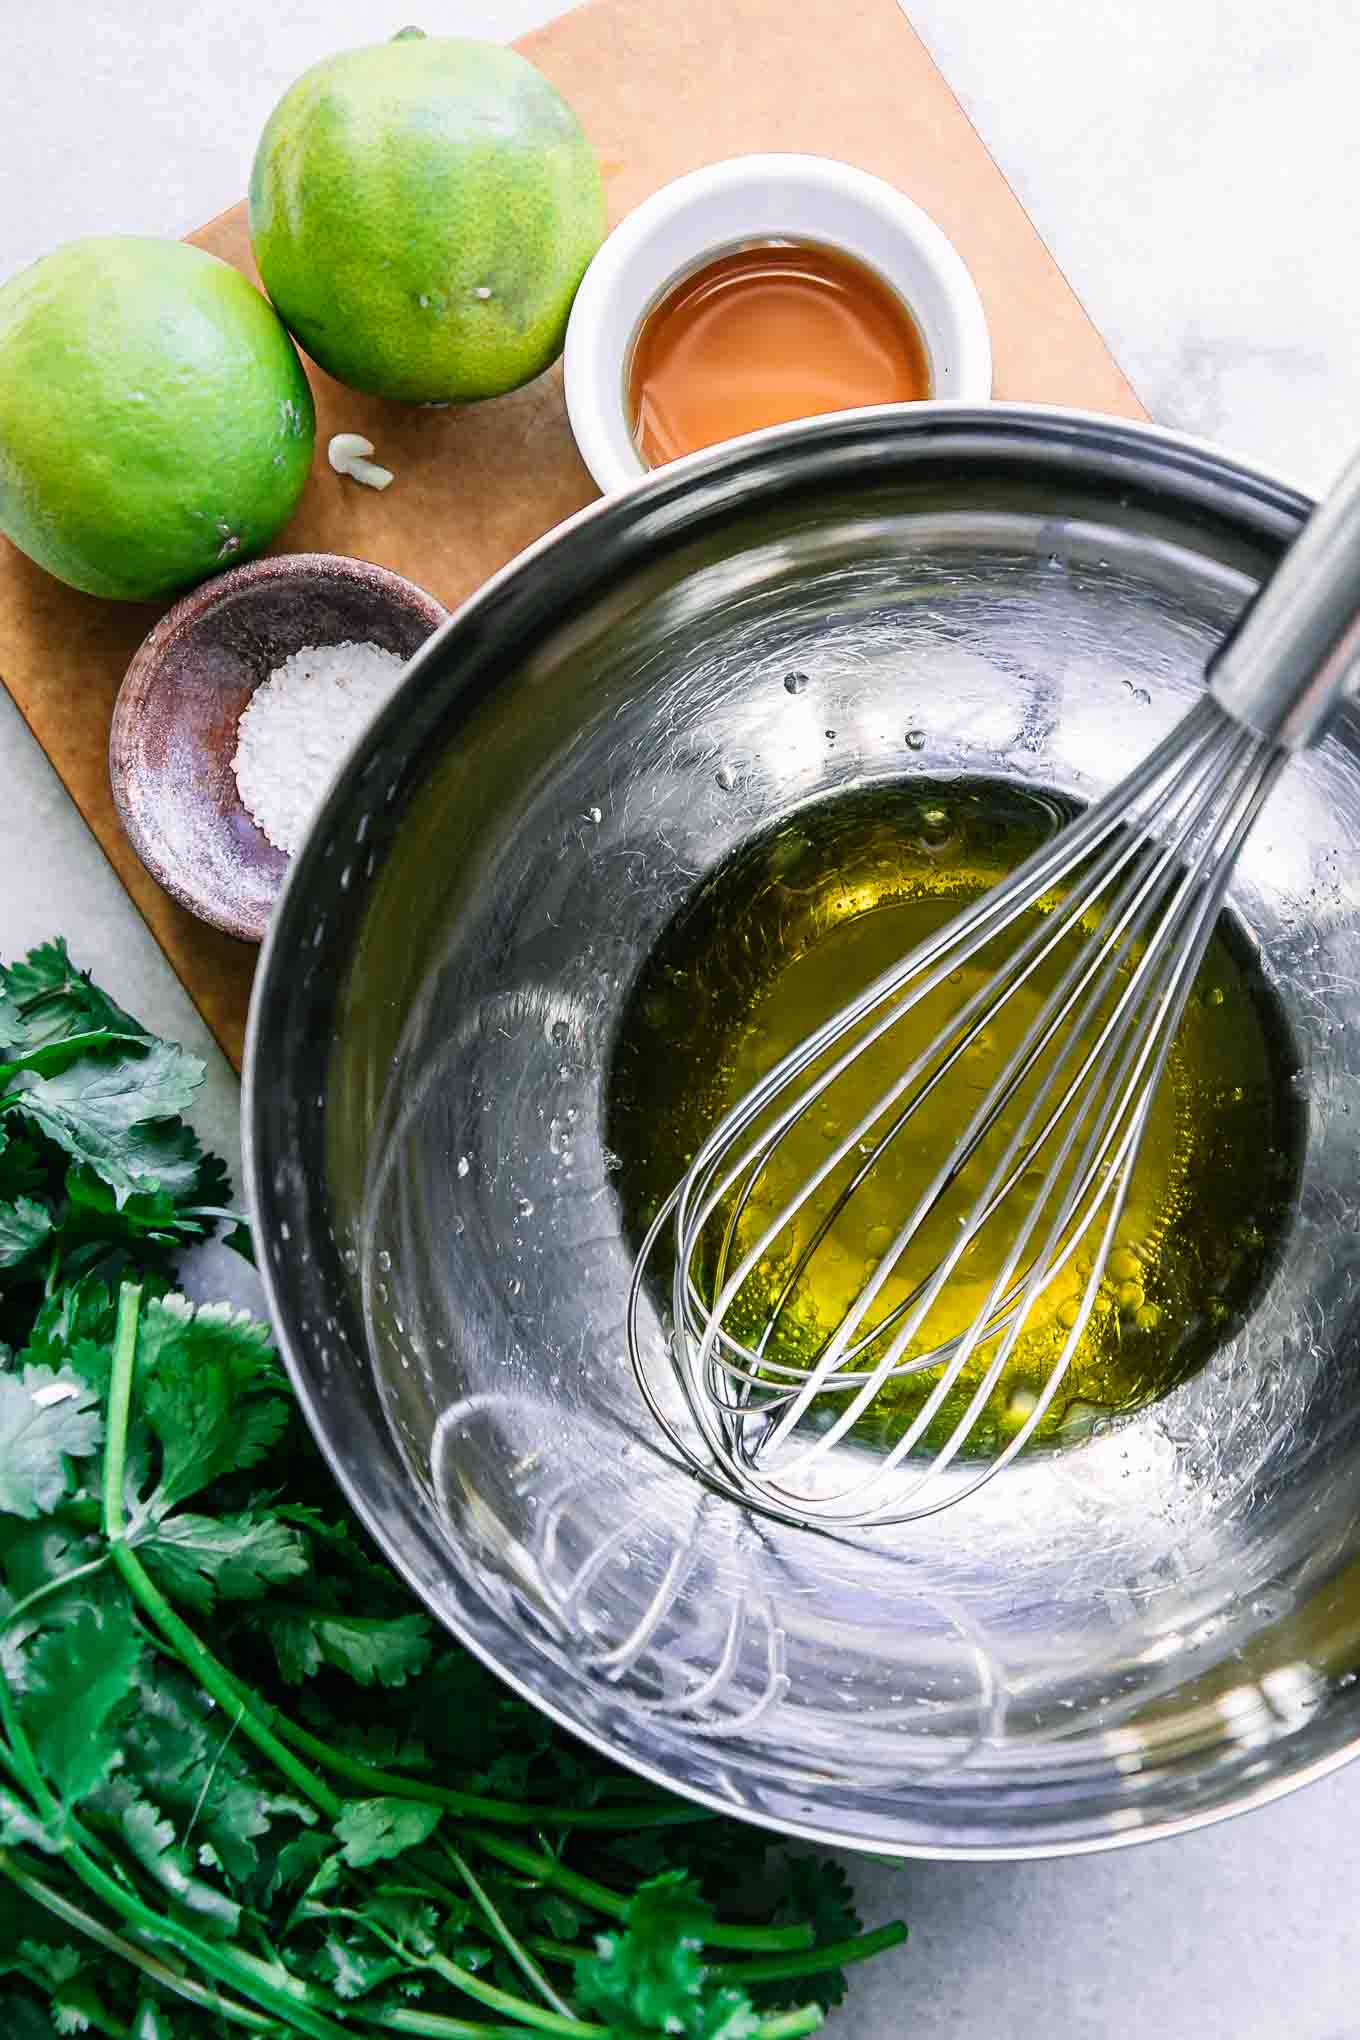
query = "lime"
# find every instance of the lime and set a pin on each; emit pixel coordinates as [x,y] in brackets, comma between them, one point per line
[155,422]
[422,213]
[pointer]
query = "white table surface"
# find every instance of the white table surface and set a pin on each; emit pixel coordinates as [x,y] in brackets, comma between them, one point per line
[1195,167]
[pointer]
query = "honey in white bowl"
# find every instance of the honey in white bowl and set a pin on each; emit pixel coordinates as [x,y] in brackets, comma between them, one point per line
[765,334]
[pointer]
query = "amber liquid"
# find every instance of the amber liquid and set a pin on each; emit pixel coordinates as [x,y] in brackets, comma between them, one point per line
[763,335]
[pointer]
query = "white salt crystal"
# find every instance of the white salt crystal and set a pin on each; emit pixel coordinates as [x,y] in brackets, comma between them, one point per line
[300,725]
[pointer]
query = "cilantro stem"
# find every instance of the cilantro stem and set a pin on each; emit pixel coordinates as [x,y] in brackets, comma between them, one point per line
[501,2001]
[120,1409]
[833,1955]
[255,1979]
[394,1786]
[765,1968]
[790,2025]
[438,2026]
[548,1870]
[195,1656]
[56,1586]
[73,1915]
[19,1758]
[513,1947]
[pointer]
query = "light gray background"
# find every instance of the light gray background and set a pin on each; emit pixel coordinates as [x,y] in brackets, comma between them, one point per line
[1194,165]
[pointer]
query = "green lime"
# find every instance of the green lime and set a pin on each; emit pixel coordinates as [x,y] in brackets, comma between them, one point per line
[422,213]
[155,422]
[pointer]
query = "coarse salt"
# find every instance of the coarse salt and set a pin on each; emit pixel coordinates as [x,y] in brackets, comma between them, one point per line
[300,725]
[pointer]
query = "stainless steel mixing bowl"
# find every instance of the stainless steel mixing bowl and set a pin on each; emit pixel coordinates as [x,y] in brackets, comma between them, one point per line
[1140,1632]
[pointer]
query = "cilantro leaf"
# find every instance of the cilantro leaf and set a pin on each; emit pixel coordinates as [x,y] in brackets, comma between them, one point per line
[117,1108]
[412,1923]
[724,2014]
[57,1971]
[24,1225]
[79,1312]
[22,1173]
[77,1680]
[198,1370]
[297,1864]
[54,1965]
[370,1830]
[352,1972]
[47,1419]
[19,1824]
[650,1976]
[151,2021]
[78,2008]
[382,1650]
[201,1559]
[151,1839]
[45,998]
[39,1553]
[190,1761]
[95,1214]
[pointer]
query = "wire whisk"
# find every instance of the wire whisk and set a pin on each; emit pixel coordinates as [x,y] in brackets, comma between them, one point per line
[785,1343]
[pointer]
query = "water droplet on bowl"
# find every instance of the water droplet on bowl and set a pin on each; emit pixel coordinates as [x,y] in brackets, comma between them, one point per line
[794,683]
[916,740]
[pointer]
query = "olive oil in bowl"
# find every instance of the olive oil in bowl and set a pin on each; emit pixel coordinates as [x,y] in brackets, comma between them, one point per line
[777,940]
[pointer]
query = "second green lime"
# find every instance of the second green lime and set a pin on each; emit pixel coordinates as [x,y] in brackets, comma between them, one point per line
[422,213]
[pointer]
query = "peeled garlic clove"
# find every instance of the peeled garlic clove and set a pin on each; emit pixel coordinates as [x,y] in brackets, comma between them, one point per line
[350,454]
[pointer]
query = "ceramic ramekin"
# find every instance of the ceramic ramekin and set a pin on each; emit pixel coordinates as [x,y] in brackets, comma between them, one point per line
[755,198]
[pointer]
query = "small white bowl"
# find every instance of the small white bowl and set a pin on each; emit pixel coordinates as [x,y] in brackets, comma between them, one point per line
[759,198]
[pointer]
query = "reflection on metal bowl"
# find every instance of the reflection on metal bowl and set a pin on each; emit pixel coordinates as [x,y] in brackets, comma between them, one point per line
[1140,1631]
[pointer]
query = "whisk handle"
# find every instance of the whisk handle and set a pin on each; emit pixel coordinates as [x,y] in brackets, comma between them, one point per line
[1295,651]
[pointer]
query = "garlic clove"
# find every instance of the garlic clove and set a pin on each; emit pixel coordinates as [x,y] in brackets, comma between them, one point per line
[350,454]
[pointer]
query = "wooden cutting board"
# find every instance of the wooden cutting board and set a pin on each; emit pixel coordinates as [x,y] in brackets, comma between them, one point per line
[661,89]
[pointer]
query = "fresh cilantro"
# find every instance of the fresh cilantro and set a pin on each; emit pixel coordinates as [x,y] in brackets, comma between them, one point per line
[116,1107]
[382,1650]
[44,998]
[198,1371]
[77,1680]
[190,1762]
[241,1789]
[24,1227]
[371,1829]
[150,1839]
[152,2021]
[47,1419]
[650,1978]
[202,1559]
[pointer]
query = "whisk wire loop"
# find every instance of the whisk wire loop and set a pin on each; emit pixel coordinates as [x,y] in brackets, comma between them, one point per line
[1132,889]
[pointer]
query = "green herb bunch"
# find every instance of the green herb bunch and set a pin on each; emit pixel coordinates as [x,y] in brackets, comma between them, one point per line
[244,1786]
